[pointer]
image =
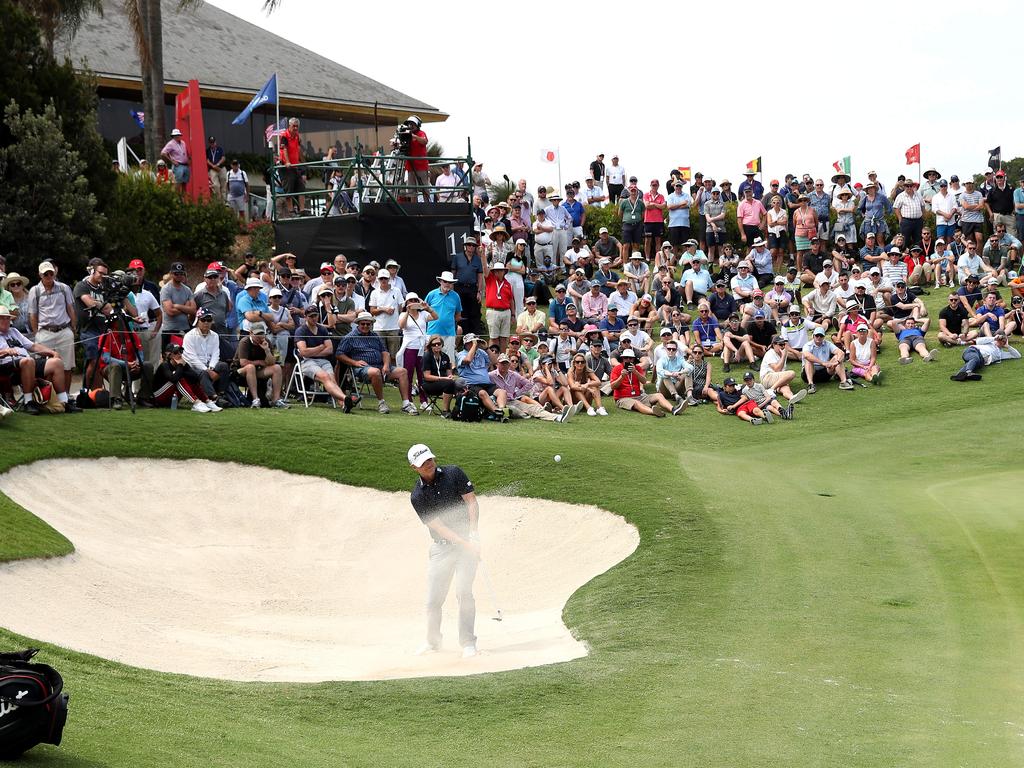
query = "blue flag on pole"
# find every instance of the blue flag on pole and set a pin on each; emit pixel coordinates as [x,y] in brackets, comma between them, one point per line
[138,117]
[266,95]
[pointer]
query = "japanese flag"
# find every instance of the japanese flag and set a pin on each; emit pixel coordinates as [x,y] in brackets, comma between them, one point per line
[549,155]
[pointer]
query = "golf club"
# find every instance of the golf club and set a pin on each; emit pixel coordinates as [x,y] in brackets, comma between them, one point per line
[490,589]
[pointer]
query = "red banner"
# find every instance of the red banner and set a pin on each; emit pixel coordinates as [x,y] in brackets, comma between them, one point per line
[188,119]
[914,154]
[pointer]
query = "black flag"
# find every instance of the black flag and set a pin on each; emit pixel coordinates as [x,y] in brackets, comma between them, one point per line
[995,158]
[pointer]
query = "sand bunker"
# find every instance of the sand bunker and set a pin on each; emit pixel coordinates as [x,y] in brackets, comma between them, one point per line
[245,573]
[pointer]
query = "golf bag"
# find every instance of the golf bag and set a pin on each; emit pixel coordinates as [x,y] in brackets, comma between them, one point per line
[33,705]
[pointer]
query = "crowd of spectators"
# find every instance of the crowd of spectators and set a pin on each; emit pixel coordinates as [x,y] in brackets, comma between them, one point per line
[642,323]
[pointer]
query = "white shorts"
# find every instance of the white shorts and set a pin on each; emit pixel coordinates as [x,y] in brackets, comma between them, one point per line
[61,342]
[499,323]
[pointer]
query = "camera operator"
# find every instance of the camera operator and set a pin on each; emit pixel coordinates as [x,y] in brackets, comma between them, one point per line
[293,182]
[94,311]
[413,143]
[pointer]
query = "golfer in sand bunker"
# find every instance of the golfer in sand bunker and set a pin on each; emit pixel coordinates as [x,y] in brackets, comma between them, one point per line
[445,500]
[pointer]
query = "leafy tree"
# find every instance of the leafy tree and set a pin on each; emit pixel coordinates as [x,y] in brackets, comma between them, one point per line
[46,207]
[59,16]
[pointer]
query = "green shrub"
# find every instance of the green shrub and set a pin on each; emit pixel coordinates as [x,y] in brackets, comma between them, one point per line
[149,221]
[261,242]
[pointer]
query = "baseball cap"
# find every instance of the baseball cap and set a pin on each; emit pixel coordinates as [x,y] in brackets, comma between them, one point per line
[627,353]
[603,231]
[259,328]
[729,381]
[748,376]
[504,359]
[212,273]
[666,331]
[136,264]
[46,266]
[177,267]
[874,271]
[362,317]
[275,291]
[204,314]
[419,454]
[819,331]
[312,309]
[779,280]
[862,327]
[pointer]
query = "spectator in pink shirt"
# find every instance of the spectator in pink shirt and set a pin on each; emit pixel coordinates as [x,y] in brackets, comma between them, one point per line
[751,216]
[594,304]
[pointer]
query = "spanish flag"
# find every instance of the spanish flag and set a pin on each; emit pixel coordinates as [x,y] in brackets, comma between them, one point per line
[754,166]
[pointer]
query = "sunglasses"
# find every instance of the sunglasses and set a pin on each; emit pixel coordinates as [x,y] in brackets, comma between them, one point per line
[205,319]
[437,344]
[671,349]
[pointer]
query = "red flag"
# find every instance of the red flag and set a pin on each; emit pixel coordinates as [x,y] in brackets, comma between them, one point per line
[837,166]
[914,154]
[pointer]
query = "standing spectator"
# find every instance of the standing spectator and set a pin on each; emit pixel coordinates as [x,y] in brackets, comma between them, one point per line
[413,320]
[714,219]
[215,164]
[561,220]
[616,175]
[630,209]
[654,218]
[215,298]
[52,317]
[909,208]
[385,304]
[678,205]
[577,213]
[175,152]
[944,206]
[750,216]
[469,273]
[178,302]
[972,213]
[597,170]
[201,352]
[874,207]
[1018,208]
[92,310]
[999,202]
[293,183]
[844,206]
[16,287]
[237,182]
[543,241]
[594,195]
[499,301]
[147,308]
[750,182]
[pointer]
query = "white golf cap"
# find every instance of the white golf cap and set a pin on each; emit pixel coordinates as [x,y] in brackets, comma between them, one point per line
[419,454]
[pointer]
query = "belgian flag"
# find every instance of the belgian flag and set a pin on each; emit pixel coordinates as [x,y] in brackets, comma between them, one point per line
[754,166]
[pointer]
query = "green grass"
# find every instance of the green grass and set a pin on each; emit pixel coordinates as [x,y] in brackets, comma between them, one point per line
[842,590]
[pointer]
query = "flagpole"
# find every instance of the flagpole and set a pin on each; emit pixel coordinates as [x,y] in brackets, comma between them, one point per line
[559,170]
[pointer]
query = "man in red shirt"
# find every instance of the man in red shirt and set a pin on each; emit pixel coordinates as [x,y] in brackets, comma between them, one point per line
[416,168]
[627,383]
[654,219]
[498,300]
[292,180]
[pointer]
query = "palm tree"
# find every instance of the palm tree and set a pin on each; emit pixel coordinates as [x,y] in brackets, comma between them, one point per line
[59,16]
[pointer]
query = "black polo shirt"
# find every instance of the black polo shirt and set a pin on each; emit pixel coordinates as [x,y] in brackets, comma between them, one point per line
[1000,200]
[443,498]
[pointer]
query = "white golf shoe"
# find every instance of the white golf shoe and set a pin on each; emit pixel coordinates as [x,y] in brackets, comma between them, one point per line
[469,651]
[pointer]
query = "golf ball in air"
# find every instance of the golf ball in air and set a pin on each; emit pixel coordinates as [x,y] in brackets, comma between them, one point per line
[558,457]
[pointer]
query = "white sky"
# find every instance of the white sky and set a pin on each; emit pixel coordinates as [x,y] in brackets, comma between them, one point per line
[866,79]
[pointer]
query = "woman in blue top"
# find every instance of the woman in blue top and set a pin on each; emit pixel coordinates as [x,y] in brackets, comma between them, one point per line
[874,208]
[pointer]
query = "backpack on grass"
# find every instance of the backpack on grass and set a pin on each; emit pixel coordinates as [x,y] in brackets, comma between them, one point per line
[467,407]
[33,705]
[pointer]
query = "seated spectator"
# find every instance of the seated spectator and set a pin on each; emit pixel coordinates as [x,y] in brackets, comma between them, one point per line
[366,353]
[765,399]
[822,362]
[1015,317]
[178,304]
[827,275]
[594,305]
[438,374]
[774,374]
[255,362]
[518,390]
[641,341]
[797,332]
[645,312]
[942,264]
[637,273]
[706,330]
[864,355]
[778,298]
[550,386]
[971,263]
[623,299]
[585,386]
[989,318]
[563,346]
[121,364]
[627,384]
[316,354]
[531,320]
[721,302]
[577,286]
[612,327]
[744,284]
[850,322]
[16,361]
[701,373]
[730,401]
[175,377]
[822,305]
[556,309]
[696,281]
[759,336]
[728,263]
[984,351]
[735,344]
[279,329]
[251,305]
[597,360]
[667,298]
[954,323]
[201,352]
[573,321]
[970,293]
[904,305]
[675,378]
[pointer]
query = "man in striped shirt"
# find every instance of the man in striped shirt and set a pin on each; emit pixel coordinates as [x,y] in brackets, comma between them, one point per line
[909,208]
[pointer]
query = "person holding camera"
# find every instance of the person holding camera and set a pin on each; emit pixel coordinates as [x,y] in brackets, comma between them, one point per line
[413,143]
[93,311]
[627,385]
[473,365]
[412,321]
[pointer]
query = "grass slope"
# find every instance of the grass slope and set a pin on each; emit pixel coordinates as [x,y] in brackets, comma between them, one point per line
[844,590]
